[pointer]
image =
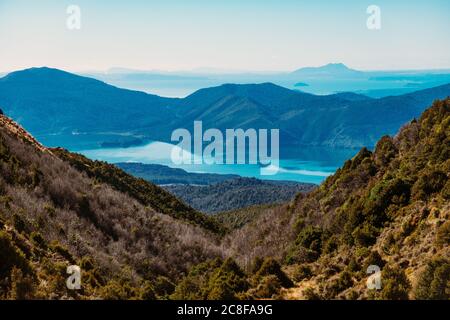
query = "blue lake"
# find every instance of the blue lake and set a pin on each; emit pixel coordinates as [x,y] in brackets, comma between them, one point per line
[302,164]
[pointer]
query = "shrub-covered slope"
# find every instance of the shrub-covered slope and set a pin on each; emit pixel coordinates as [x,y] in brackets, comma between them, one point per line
[143,191]
[131,239]
[389,208]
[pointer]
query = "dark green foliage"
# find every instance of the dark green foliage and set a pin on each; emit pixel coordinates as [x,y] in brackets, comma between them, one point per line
[16,274]
[23,286]
[365,234]
[61,250]
[256,264]
[302,272]
[215,279]
[385,151]
[18,223]
[343,282]
[353,265]
[434,281]
[37,238]
[394,284]
[388,192]
[311,238]
[271,267]
[375,259]
[11,256]
[120,290]
[331,244]
[443,234]
[429,182]
[163,287]
[308,245]
[446,190]
[147,291]
[267,287]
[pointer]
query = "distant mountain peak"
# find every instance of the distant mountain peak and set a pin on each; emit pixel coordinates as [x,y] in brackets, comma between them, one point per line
[53,75]
[37,71]
[338,65]
[236,87]
[330,68]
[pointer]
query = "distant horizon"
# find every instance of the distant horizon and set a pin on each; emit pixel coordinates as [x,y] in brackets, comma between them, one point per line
[214,70]
[233,35]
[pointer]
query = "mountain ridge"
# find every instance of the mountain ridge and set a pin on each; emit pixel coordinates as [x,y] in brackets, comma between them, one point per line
[100,114]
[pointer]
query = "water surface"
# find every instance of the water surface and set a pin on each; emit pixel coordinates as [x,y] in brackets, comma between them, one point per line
[302,164]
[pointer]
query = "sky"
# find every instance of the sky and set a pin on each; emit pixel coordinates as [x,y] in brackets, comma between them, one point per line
[251,35]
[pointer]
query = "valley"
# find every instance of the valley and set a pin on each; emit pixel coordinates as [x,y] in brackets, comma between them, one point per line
[389,207]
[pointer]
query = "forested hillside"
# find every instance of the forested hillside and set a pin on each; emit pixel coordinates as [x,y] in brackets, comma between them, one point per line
[130,238]
[237,193]
[389,208]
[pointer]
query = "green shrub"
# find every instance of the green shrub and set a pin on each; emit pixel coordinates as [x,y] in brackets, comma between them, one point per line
[299,254]
[443,234]
[256,264]
[302,272]
[394,191]
[86,263]
[429,182]
[163,286]
[18,223]
[227,281]
[343,282]
[374,258]
[22,286]
[10,256]
[271,267]
[51,211]
[395,284]
[353,265]
[434,281]
[446,190]
[61,250]
[268,287]
[385,151]
[331,244]
[311,294]
[118,290]
[38,240]
[311,238]
[365,235]
[147,292]
[214,279]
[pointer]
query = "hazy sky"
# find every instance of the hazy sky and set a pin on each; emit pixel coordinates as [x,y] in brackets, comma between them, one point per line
[225,34]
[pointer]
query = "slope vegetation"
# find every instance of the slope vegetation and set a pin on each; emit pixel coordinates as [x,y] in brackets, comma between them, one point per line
[389,208]
[131,239]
